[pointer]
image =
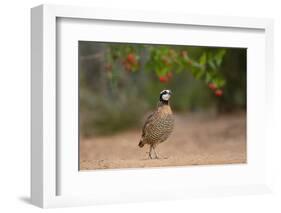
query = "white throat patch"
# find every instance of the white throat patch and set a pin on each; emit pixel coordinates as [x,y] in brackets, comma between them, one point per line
[166,97]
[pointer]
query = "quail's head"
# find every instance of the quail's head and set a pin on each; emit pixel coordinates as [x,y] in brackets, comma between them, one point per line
[165,95]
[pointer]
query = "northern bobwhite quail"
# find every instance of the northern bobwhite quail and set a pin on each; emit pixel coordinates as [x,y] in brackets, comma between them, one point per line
[159,125]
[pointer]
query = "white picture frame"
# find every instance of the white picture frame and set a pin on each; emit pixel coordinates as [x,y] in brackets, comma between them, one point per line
[48,170]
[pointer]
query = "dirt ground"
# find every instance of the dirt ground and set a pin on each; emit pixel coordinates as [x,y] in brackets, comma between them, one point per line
[197,139]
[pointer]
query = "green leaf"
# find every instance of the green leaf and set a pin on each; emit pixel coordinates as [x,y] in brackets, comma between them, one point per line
[219,82]
[219,56]
[199,74]
[162,71]
[212,64]
[203,59]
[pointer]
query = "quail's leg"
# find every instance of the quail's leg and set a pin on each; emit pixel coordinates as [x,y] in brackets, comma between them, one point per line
[150,152]
[155,153]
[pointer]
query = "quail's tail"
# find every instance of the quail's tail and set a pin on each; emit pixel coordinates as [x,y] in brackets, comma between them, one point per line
[141,144]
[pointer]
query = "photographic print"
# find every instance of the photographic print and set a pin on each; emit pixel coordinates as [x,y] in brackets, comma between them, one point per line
[152,105]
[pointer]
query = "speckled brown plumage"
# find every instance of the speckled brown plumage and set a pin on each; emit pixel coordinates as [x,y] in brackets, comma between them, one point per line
[158,126]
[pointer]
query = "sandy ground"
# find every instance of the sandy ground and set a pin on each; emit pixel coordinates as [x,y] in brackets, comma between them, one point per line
[196,140]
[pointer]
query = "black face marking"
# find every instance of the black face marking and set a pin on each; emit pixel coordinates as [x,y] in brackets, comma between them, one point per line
[165,92]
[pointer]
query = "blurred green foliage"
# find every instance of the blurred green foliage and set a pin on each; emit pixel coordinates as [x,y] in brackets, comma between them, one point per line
[119,83]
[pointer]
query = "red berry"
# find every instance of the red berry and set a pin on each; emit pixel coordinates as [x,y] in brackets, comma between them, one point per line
[218,92]
[212,86]
[163,79]
[131,58]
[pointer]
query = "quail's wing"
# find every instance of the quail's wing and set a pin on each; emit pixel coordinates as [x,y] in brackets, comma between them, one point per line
[148,122]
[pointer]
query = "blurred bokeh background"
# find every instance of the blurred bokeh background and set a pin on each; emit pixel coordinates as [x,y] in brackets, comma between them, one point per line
[120,86]
[119,83]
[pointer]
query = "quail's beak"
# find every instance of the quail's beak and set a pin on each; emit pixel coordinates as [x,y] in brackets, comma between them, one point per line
[170,92]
